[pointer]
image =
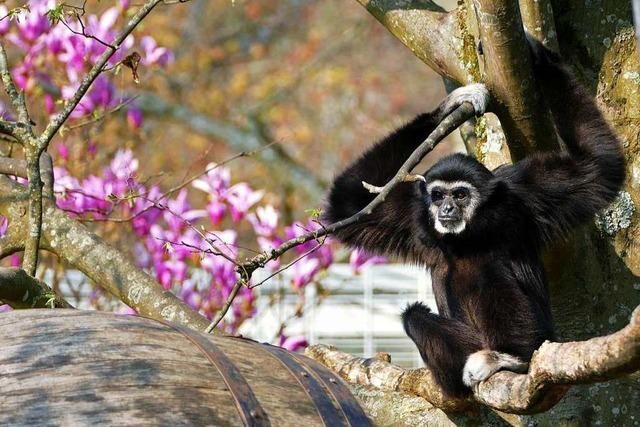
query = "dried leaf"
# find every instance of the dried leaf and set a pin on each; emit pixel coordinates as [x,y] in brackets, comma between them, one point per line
[132,61]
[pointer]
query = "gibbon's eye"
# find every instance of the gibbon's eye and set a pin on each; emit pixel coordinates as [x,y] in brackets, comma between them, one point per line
[460,193]
[436,195]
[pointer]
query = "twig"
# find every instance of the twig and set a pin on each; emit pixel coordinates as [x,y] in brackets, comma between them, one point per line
[448,124]
[103,115]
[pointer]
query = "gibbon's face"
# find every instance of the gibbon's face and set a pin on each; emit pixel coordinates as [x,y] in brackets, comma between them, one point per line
[453,204]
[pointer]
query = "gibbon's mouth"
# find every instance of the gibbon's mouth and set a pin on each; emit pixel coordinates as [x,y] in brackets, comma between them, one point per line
[448,219]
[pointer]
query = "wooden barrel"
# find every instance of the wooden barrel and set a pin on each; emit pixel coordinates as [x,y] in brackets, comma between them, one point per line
[71,367]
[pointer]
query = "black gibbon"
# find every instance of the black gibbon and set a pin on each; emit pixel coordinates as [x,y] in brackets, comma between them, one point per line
[482,232]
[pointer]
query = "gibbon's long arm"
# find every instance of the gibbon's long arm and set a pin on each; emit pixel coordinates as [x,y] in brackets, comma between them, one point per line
[389,229]
[563,190]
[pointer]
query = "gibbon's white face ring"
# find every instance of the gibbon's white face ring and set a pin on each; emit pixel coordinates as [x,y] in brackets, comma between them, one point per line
[454,227]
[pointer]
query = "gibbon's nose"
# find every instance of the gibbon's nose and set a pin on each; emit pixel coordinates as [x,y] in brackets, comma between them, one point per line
[447,209]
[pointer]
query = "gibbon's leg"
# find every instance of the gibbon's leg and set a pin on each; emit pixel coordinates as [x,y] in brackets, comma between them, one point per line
[444,344]
[484,363]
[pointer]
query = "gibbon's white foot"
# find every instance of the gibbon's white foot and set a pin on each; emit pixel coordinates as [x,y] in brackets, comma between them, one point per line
[477,94]
[484,363]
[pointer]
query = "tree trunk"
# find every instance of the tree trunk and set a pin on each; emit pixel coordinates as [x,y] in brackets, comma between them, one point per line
[595,281]
[594,278]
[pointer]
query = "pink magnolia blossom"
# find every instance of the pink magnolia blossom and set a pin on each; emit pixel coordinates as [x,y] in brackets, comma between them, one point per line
[295,343]
[216,181]
[4,224]
[304,271]
[297,229]
[134,117]
[4,23]
[35,22]
[360,259]
[216,211]
[153,54]
[241,198]
[264,220]
[123,166]
[179,212]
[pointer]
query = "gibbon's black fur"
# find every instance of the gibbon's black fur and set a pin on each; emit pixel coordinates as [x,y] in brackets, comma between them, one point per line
[488,280]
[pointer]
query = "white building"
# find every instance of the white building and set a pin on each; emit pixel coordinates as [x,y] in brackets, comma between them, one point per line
[359,314]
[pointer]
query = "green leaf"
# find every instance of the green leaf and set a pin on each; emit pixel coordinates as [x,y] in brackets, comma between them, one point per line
[313,213]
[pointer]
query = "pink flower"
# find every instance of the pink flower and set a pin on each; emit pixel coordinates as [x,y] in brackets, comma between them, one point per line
[360,259]
[293,343]
[4,224]
[4,24]
[35,22]
[216,181]
[146,211]
[134,117]
[179,212]
[49,104]
[100,95]
[154,54]
[216,211]
[123,166]
[304,271]
[264,221]
[297,229]
[241,198]
[63,151]
[267,244]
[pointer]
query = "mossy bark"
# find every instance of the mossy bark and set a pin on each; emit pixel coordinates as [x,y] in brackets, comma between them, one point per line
[595,279]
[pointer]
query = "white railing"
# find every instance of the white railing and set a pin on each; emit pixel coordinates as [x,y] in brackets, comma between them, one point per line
[359,314]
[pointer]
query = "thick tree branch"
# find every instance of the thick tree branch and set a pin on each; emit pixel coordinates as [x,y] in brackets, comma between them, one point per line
[106,266]
[20,290]
[509,76]
[433,35]
[445,127]
[537,18]
[13,240]
[32,241]
[553,368]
